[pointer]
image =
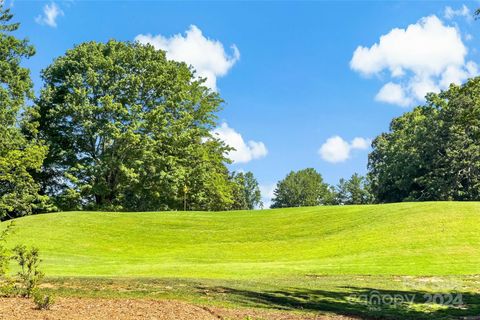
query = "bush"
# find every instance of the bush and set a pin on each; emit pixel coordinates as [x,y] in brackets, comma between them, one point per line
[42,301]
[4,257]
[8,288]
[29,274]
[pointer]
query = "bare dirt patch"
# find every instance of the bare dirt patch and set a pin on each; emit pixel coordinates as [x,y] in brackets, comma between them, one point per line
[116,309]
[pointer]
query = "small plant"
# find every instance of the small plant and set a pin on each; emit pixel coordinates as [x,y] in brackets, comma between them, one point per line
[8,288]
[42,301]
[3,251]
[29,274]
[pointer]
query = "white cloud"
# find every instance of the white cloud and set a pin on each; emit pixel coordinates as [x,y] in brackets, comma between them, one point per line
[50,14]
[464,11]
[336,149]
[244,151]
[267,194]
[456,75]
[360,143]
[208,57]
[393,93]
[425,57]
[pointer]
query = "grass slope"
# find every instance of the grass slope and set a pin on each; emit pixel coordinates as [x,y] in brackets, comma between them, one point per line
[437,238]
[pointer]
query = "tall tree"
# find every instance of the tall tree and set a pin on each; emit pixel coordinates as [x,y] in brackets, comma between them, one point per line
[130,130]
[432,152]
[19,155]
[353,190]
[246,194]
[301,188]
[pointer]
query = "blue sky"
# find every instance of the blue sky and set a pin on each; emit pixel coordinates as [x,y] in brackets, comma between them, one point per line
[304,83]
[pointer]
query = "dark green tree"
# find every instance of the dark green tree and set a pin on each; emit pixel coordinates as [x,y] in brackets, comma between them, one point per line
[246,194]
[353,190]
[301,188]
[128,129]
[21,153]
[431,152]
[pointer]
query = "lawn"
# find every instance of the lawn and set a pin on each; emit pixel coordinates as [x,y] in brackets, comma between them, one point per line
[305,259]
[396,239]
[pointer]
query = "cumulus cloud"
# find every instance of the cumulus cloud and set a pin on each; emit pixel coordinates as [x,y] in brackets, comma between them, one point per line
[266,191]
[451,13]
[208,57]
[360,143]
[425,57]
[244,151]
[336,149]
[393,93]
[50,14]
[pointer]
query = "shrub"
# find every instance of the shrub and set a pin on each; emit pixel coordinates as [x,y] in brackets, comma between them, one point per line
[42,301]
[3,251]
[29,274]
[7,287]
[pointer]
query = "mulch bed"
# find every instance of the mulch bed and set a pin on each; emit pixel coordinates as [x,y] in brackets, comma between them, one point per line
[113,309]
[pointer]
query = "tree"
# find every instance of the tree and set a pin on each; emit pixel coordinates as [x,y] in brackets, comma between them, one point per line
[432,152]
[353,190]
[246,193]
[302,188]
[21,152]
[128,129]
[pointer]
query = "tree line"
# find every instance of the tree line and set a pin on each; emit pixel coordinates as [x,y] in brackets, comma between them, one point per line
[431,153]
[306,188]
[117,126]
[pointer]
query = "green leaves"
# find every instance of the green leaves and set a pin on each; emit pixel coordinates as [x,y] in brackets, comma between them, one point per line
[302,188]
[4,257]
[432,152]
[128,130]
[29,275]
[21,152]
[353,191]
[246,192]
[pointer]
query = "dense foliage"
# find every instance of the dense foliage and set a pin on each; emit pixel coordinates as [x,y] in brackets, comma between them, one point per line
[352,191]
[301,188]
[117,126]
[307,188]
[20,151]
[432,152]
[246,191]
[128,129]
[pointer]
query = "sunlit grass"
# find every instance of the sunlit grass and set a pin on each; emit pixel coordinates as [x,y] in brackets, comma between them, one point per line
[438,238]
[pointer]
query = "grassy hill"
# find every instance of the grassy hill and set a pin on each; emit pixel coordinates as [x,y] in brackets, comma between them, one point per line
[396,239]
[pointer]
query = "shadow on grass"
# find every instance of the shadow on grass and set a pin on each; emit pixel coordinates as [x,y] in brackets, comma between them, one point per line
[367,303]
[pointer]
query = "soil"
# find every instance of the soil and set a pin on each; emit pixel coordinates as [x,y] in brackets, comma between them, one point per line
[116,309]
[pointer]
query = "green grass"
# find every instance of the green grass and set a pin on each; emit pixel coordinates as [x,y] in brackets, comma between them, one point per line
[302,259]
[397,239]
